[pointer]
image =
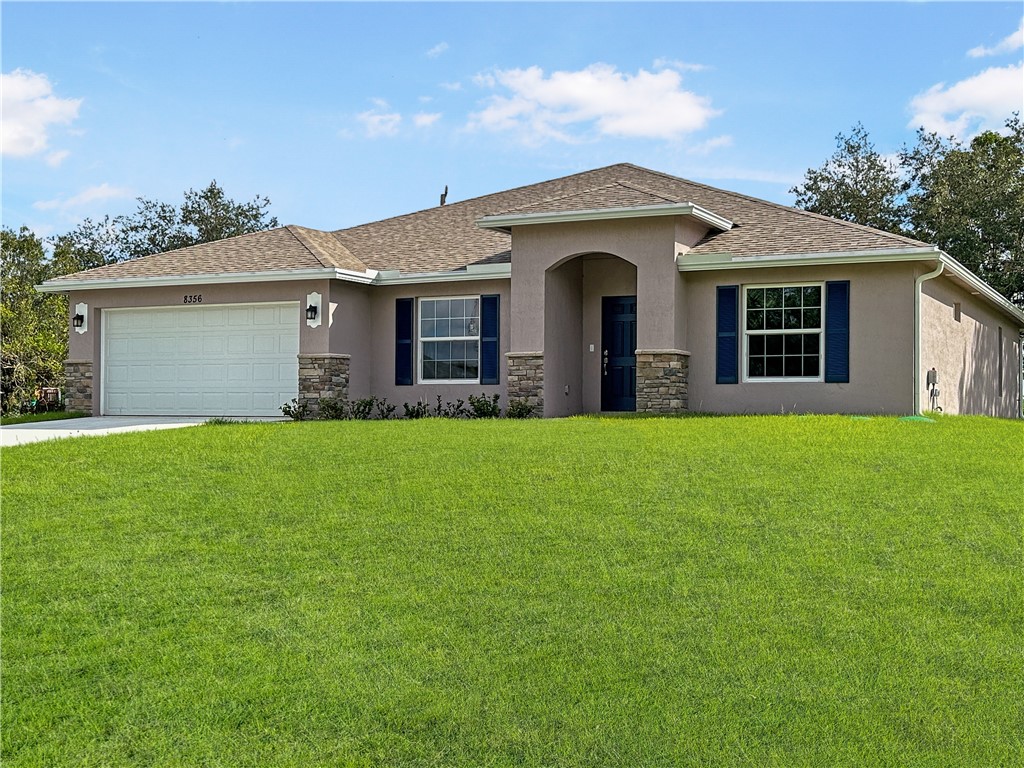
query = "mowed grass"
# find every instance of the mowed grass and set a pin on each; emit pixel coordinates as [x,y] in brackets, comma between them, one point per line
[790,591]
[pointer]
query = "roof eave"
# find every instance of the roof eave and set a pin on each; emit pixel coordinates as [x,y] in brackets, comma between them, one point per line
[157,281]
[505,222]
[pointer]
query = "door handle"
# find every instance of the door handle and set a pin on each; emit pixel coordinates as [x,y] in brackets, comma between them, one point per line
[604,363]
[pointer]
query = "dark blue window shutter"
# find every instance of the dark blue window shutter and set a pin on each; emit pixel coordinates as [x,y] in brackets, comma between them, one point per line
[837,331]
[489,333]
[727,347]
[403,341]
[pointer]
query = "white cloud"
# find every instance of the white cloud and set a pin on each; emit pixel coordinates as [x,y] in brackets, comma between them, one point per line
[644,105]
[28,108]
[679,66]
[1008,44]
[378,121]
[456,86]
[425,119]
[89,195]
[437,50]
[709,146]
[747,174]
[978,103]
[54,159]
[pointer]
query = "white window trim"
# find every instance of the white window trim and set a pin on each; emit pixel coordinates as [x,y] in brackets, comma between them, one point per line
[420,340]
[747,379]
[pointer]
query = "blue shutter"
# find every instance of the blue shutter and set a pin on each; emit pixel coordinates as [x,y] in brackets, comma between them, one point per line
[727,347]
[837,331]
[403,341]
[489,333]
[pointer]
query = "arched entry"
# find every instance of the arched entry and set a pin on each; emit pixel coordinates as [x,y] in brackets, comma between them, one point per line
[590,307]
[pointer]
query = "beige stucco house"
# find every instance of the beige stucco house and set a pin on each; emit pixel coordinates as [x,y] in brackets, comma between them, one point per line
[616,289]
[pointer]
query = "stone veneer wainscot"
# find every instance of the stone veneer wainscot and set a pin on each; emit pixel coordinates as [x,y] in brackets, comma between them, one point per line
[661,380]
[78,386]
[322,376]
[526,379]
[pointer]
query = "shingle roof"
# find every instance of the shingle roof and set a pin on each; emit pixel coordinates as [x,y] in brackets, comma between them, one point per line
[447,238]
[285,248]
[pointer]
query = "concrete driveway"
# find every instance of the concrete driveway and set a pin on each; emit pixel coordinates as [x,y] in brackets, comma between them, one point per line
[19,434]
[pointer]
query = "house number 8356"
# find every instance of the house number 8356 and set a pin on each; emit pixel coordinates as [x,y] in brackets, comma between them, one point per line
[193,298]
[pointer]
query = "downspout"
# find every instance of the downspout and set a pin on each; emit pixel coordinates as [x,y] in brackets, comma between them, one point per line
[917,332]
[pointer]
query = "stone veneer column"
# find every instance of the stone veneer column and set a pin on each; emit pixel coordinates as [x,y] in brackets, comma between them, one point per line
[526,379]
[78,386]
[661,380]
[322,376]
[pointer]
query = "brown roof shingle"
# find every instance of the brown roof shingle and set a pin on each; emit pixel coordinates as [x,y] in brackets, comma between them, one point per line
[447,238]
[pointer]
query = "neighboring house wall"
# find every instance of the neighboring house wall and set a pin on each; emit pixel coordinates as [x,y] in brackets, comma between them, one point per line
[975,375]
[382,325]
[881,344]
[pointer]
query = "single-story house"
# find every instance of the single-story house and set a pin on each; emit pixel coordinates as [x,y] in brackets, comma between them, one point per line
[616,289]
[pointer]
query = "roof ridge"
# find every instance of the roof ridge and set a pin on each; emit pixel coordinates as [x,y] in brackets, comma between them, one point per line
[787,208]
[293,230]
[567,195]
[646,191]
[468,200]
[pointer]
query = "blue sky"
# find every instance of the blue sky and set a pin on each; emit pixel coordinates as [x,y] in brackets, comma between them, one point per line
[343,113]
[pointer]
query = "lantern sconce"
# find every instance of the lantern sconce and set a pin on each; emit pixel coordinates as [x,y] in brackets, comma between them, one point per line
[313,313]
[80,320]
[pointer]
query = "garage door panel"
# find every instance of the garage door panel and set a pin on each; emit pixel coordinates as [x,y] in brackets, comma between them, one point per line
[232,366]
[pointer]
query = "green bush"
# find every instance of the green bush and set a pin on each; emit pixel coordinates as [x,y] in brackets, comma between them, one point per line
[519,409]
[484,407]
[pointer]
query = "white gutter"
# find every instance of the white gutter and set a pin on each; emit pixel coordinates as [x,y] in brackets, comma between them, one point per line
[504,222]
[370,277]
[708,262]
[917,331]
[472,272]
[96,284]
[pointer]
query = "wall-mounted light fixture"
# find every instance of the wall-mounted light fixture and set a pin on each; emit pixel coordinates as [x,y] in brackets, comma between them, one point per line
[80,320]
[314,305]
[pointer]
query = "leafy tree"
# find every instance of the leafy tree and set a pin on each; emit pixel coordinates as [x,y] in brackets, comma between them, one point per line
[856,184]
[966,198]
[33,325]
[969,200]
[203,217]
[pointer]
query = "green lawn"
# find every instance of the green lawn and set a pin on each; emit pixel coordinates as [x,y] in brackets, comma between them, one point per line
[29,418]
[758,591]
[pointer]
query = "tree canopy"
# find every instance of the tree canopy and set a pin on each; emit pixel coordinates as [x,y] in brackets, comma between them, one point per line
[967,198]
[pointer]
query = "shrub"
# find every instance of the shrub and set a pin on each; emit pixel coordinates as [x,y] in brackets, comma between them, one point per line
[419,411]
[333,409]
[484,407]
[295,410]
[385,410]
[519,409]
[363,409]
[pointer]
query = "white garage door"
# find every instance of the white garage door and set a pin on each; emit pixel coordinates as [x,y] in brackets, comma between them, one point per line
[227,360]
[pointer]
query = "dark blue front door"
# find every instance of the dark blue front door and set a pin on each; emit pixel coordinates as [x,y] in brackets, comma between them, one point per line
[618,353]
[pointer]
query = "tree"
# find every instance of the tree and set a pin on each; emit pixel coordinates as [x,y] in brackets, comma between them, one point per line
[33,325]
[856,184]
[967,199]
[204,216]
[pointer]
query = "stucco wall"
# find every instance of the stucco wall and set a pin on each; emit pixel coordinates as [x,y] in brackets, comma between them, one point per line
[881,344]
[648,244]
[351,332]
[382,323]
[966,353]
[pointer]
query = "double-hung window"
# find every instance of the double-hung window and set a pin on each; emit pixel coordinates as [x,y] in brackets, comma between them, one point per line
[782,332]
[449,340]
